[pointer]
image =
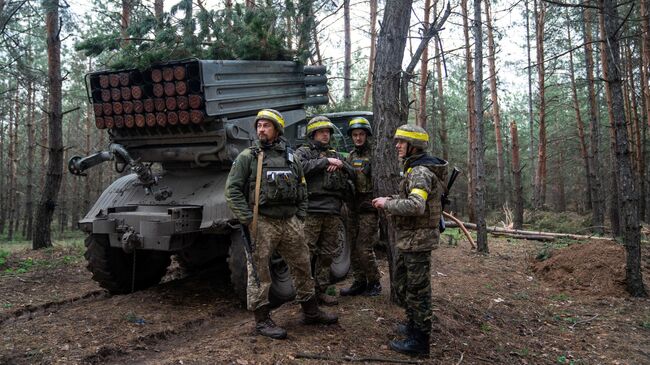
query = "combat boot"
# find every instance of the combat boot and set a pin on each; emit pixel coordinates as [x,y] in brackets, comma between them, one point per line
[265,326]
[311,314]
[416,344]
[404,328]
[373,289]
[356,288]
[327,300]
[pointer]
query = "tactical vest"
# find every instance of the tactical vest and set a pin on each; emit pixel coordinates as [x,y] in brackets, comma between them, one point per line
[280,182]
[433,209]
[363,178]
[328,183]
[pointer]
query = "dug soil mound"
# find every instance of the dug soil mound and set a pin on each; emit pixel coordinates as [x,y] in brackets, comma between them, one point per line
[595,268]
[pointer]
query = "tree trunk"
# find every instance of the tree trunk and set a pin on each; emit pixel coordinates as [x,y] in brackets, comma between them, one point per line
[389,114]
[531,129]
[479,150]
[88,127]
[442,118]
[639,155]
[595,182]
[373,51]
[518,195]
[13,141]
[471,188]
[627,192]
[3,195]
[559,178]
[614,199]
[158,9]
[496,114]
[47,203]
[43,148]
[645,56]
[127,7]
[539,196]
[347,51]
[580,124]
[421,118]
[29,204]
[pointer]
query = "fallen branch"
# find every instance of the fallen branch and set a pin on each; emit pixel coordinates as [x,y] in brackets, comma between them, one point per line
[584,321]
[539,234]
[533,237]
[462,227]
[302,355]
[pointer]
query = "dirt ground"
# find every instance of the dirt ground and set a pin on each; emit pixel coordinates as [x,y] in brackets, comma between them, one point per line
[503,308]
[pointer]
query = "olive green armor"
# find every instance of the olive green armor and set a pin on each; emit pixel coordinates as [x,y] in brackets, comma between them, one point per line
[360,159]
[283,191]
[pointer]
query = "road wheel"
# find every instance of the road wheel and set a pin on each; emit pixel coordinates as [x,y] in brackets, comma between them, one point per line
[281,290]
[341,264]
[112,268]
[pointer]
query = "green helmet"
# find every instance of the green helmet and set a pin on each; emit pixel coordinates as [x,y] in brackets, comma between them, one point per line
[416,136]
[319,122]
[274,116]
[359,123]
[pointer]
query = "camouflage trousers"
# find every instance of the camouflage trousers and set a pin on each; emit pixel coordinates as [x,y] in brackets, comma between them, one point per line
[412,285]
[323,235]
[362,234]
[285,236]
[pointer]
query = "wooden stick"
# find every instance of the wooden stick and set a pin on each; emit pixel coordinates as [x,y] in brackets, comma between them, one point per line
[535,233]
[462,228]
[302,355]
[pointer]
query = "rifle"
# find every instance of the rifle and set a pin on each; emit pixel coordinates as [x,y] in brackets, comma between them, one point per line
[249,242]
[444,200]
[249,246]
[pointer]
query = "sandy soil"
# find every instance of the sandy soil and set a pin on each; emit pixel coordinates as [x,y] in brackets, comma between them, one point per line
[503,308]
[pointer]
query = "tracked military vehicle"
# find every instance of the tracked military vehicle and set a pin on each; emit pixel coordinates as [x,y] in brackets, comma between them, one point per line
[175,130]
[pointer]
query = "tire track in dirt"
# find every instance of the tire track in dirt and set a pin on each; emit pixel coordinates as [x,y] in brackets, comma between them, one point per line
[30,311]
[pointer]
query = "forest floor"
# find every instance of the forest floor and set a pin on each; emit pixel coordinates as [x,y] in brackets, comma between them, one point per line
[507,307]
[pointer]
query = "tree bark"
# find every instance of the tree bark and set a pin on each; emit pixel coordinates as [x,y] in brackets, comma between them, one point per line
[373,51]
[579,123]
[614,199]
[347,65]
[3,195]
[421,118]
[29,203]
[531,126]
[639,155]
[47,203]
[13,141]
[627,192]
[471,188]
[539,196]
[389,114]
[518,194]
[496,114]
[442,129]
[645,56]
[597,199]
[479,150]
[127,8]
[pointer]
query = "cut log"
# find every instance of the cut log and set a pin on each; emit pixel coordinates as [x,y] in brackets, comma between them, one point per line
[522,233]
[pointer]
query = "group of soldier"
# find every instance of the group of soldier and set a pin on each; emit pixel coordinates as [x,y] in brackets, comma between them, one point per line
[291,203]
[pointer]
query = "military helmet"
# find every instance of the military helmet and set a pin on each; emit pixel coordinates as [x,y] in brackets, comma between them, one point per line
[359,123]
[274,116]
[416,136]
[319,122]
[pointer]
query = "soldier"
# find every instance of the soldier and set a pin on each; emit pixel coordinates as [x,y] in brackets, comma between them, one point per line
[362,225]
[327,176]
[416,212]
[282,208]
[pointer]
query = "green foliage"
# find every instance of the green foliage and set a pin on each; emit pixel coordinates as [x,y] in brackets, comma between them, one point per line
[485,328]
[545,253]
[562,222]
[560,297]
[233,33]
[3,258]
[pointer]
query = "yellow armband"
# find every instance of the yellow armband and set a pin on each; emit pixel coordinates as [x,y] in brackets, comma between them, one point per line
[421,193]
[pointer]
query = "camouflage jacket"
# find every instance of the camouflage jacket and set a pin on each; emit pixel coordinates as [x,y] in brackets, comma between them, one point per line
[418,205]
[360,159]
[326,189]
[283,191]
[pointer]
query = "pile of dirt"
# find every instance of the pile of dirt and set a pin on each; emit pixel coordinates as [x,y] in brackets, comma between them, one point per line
[596,268]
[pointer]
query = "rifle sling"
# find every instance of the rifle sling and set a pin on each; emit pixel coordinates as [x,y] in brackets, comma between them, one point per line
[256,206]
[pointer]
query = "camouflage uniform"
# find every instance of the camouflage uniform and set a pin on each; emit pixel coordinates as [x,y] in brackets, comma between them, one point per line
[283,200]
[362,223]
[416,212]
[326,192]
